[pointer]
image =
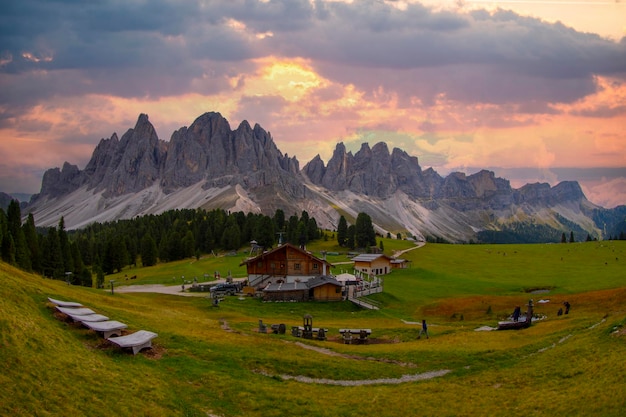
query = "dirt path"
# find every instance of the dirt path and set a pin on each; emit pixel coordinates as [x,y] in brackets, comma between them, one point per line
[417,245]
[352,383]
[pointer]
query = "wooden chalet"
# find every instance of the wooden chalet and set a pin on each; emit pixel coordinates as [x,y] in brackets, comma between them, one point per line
[286,264]
[373,263]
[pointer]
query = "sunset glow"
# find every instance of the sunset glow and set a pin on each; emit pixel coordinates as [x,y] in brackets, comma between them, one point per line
[535,91]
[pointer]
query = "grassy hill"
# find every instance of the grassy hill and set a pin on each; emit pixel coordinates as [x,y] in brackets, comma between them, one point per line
[212,361]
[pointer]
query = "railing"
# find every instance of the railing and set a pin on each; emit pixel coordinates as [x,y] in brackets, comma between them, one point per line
[259,280]
[367,291]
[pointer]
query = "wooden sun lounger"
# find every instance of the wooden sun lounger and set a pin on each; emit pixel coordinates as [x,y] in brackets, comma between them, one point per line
[88,317]
[107,328]
[75,311]
[137,341]
[64,303]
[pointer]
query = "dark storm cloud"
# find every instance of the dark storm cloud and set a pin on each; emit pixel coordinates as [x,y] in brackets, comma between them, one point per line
[155,48]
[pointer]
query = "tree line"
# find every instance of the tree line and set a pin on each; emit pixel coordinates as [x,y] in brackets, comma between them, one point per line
[106,248]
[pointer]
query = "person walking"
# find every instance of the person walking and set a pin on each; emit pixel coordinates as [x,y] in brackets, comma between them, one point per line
[567,307]
[424,330]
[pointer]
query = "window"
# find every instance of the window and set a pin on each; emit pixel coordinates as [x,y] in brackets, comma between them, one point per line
[315,266]
[296,266]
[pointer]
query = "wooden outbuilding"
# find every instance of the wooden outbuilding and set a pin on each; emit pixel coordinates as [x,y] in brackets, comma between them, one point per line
[325,288]
[321,288]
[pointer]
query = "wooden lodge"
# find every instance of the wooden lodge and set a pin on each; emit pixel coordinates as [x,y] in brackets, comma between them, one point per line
[286,264]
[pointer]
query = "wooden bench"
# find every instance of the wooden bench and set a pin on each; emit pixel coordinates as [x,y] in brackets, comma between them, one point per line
[107,328]
[64,303]
[137,341]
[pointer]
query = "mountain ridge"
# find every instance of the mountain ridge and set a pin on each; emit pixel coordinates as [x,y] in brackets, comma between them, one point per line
[208,165]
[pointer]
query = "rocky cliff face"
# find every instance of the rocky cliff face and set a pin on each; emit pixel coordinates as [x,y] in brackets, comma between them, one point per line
[206,151]
[211,166]
[373,172]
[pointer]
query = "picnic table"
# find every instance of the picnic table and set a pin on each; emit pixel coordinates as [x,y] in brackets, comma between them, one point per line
[320,333]
[362,333]
[107,328]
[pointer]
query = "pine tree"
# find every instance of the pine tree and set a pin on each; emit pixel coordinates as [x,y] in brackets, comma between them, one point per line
[342,231]
[301,232]
[148,251]
[264,232]
[279,220]
[32,241]
[350,236]
[231,238]
[313,232]
[68,262]
[365,235]
[21,251]
[52,259]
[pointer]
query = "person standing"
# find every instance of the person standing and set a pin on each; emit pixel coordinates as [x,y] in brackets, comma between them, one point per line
[424,330]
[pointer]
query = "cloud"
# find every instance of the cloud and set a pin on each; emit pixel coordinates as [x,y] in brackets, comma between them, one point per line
[456,88]
[155,48]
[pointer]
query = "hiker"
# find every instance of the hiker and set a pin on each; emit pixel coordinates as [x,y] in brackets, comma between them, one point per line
[567,306]
[423,330]
[560,312]
[516,313]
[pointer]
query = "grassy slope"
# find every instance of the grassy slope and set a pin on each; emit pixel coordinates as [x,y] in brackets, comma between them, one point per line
[562,365]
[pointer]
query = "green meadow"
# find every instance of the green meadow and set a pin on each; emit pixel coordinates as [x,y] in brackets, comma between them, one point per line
[212,361]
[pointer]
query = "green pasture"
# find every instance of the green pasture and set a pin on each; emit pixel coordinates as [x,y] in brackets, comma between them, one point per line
[212,361]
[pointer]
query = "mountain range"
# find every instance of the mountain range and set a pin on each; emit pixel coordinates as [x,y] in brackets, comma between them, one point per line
[208,165]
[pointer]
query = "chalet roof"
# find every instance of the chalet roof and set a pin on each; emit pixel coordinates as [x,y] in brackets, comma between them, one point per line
[322,280]
[369,257]
[282,248]
[286,286]
[398,261]
[313,282]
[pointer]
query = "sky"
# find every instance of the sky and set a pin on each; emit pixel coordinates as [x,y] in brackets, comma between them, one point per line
[532,90]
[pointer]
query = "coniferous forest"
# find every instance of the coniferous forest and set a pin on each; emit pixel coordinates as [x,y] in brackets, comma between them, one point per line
[105,248]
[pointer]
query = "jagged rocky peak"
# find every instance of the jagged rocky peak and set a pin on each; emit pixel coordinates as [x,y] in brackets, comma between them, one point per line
[485,183]
[60,181]
[135,163]
[568,191]
[315,169]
